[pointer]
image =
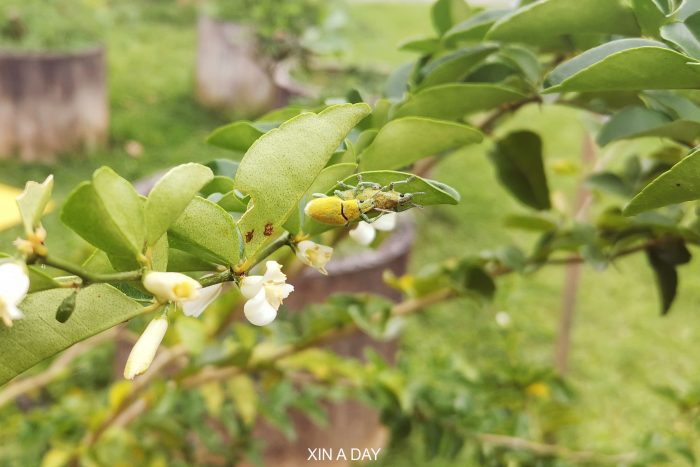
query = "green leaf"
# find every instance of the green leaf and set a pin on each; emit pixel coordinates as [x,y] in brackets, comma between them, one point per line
[33,201]
[471,277]
[610,183]
[649,17]
[40,280]
[455,101]
[625,64]
[637,122]
[519,166]
[108,213]
[427,45]
[281,166]
[433,192]
[223,167]
[680,183]
[529,222]
[207,231]
[327,179]
[403,141]
[181,261]
[454,66]
[233,201]
[685,35]
[545,22]
[473,29]
[171,195]
[445,13]
[237,136]
[663,260]
[39,335]
[218,184]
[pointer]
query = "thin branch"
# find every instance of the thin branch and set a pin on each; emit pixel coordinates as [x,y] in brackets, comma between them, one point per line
[87,276]
[554,450]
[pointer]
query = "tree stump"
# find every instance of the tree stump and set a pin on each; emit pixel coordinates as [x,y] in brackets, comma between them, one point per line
[52,103]
[231,72]
[350,424]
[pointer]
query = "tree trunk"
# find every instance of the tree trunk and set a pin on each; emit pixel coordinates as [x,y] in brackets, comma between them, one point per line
[232,75]
[350,424]
[52,103]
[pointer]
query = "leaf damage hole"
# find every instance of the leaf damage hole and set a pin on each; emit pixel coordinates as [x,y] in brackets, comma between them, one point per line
[268,229]
[249,236]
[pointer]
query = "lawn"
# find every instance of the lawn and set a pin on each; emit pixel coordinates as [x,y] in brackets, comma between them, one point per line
[621,346]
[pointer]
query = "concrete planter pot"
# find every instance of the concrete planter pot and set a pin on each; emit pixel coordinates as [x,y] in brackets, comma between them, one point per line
[233,75]
[52,103]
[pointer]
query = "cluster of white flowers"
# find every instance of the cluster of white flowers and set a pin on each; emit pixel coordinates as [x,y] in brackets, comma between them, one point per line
[265,294]
[14,285]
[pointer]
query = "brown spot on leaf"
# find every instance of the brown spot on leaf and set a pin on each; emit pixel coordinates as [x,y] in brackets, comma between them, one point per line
[249,236]
[268,229]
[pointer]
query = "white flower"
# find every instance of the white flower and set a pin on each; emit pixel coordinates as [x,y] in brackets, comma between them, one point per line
[314,255]
[503,319]
[171,286]
[145,349]
[14,285]
[365,232]
[206,296]
[265,294]
[386,222]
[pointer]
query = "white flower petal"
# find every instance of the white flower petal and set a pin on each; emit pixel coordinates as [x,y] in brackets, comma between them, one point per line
[14,313]
[171,286]
[14,283]
[145,349]
[363,234]
[273,272]
[251,285]
[206,296]
[275,293]
[386,222]
[258,311]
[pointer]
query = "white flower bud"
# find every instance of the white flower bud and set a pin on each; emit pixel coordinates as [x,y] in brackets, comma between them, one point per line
[145,349]
[206,296]
[265,294]
[314,255]
[171,286]
[14,285]
[386,222]
[503,319]
[364,233]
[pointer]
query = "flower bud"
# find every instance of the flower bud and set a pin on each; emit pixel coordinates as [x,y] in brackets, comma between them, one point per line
[171,286]
[145,349]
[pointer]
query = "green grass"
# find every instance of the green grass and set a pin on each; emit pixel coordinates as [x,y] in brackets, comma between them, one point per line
[620,345]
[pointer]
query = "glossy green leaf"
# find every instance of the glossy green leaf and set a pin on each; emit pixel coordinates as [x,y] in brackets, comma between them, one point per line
[649,17]
[636,122]
[281,166]
[237,136]
[39,280]
[433,192]
[108,213]
[218,184]
[454,66]
[234,201]
[519,166]
[207,231]
[625,64]
[455,101]
[663,260]
[33,201]
[473,29]
[403,141]
[685,35]
[39,336]
[327,179]
[446,13]
[422,45]
[171,195]
[181,261]
[546,21]
[680,183]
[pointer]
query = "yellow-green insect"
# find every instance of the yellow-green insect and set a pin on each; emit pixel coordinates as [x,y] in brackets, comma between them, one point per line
[356,202]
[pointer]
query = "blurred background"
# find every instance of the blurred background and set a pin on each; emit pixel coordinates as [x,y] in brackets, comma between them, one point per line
[138,85]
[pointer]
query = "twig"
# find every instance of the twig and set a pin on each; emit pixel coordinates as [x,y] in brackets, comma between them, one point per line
[87,276]
[554,450]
